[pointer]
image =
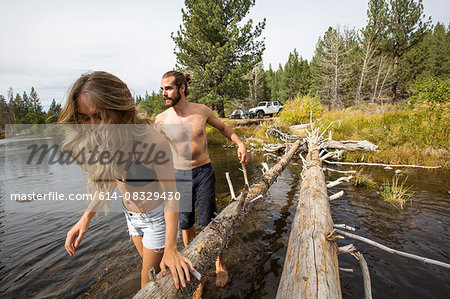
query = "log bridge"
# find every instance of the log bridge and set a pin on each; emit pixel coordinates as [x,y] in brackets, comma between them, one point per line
[311,266]
[209,243]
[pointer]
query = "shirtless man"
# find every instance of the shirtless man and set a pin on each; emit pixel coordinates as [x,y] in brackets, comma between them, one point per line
[174,86]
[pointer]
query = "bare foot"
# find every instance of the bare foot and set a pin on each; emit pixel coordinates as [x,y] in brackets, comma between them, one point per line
[221,278]
[221,273]
[199,291]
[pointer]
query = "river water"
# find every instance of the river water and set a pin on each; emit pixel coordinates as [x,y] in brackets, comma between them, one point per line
[33,261]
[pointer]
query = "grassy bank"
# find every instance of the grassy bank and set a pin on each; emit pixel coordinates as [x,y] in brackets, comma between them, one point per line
[405,134]
[255,130]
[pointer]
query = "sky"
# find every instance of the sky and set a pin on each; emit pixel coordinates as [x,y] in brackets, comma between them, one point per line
[48,44]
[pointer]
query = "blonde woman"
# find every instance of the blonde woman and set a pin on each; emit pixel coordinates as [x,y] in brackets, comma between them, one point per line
[132,156]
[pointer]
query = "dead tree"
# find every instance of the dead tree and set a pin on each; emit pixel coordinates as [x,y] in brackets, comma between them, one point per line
[311,266]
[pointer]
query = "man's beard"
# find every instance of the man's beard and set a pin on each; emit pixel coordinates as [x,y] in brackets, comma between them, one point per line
[173,101]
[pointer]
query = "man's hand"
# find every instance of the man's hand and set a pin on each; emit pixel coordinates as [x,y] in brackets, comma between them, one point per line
[178,266]
[76,234]
[242,154]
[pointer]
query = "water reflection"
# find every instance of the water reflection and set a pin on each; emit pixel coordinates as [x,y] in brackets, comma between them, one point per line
[33,261]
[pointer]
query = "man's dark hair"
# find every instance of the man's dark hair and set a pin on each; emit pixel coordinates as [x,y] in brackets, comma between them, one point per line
[179,79]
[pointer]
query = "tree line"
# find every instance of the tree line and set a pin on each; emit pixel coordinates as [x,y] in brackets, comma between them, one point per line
[380,63]
[397,50]
[26,109]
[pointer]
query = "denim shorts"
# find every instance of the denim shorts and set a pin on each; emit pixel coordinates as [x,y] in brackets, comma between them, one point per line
[198,192]
[151,226]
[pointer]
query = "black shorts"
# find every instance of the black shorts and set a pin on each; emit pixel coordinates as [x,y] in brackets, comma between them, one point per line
[198,193]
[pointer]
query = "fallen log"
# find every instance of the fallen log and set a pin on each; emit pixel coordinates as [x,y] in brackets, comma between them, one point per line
[379,164]
[311,266]
[206,247]
[338,145]
[280,135]
[350,145]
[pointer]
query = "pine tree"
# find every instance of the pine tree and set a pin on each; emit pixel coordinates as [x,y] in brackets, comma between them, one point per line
[153,104]
[53,112]
[35,112]
[11,104]
[217,51]
[5,117]
[405,30]
[438,44]
[296,78]
[275,84]
[329,68]
[19,109]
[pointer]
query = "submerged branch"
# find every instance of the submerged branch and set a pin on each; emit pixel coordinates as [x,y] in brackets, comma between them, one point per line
[393,251]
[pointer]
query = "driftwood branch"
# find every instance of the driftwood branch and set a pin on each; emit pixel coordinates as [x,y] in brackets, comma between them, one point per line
[213,239]
[393,251]
[280,135]
[339,171]
[350,248]
[366,276]
[350,145]
[337,195]
[346,270]
[335,155]
[230,185]
[345,226]
[339,181]
[244,170]
[256,198]
[379,164]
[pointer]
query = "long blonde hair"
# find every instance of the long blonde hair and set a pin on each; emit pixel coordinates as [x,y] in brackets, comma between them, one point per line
[116,106]
[109,94]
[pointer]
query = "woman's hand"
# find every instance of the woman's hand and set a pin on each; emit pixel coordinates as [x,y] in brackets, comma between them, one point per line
[76,233]
[178,266]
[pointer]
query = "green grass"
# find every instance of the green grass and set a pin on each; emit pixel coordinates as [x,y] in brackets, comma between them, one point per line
[416,135]
[363,180]
[396,193]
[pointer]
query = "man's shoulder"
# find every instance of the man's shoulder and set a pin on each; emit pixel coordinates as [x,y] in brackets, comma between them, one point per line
[200,108]
[160,118]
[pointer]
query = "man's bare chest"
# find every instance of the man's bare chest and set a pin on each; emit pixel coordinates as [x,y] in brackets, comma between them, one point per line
[195,123]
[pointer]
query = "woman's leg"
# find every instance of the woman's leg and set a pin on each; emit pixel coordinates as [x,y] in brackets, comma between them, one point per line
[151,258]
[137,240]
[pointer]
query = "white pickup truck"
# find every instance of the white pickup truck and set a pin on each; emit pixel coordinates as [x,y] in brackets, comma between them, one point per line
[266,108]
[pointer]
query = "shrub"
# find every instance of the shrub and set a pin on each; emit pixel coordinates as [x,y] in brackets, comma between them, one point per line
[396,193]
[298,110]
[432,89]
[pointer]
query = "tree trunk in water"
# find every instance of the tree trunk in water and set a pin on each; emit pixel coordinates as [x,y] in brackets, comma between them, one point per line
[206,247]
[311,266]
